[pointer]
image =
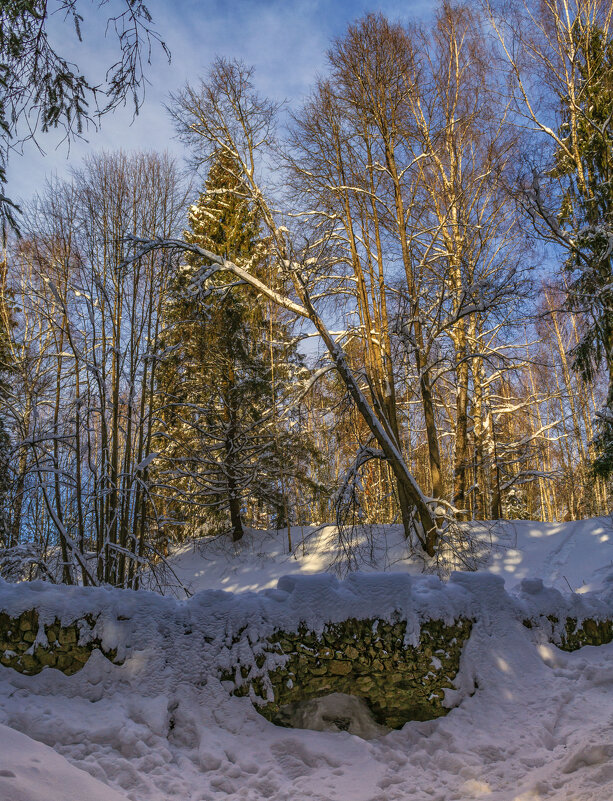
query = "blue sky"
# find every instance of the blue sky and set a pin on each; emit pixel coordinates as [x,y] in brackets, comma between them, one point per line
[286,41]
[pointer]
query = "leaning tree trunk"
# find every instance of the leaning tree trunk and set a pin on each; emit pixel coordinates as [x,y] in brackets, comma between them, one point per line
[416,515]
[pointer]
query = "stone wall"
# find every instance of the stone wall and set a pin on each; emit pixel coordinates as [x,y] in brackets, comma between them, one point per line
[28,648]
[572,634]
[366,658]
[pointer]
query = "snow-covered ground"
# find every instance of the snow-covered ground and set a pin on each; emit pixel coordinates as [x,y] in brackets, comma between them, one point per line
[32,771]
[575,557]
[531,721]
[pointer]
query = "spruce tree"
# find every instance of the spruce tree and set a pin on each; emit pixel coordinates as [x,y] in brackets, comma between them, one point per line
[226,371]
[587,214]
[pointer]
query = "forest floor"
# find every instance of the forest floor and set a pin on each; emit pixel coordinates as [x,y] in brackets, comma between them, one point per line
[538,723]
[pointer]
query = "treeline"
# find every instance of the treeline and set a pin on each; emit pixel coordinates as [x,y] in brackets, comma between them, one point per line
[392,305]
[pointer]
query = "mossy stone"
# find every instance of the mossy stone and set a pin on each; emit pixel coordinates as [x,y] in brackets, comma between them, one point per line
[68,636]
[338,668]
[62,652]
[29,664]
[45,657]
[398,682]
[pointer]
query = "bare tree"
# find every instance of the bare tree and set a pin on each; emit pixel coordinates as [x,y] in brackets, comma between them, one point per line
[560,61]
[41,90]
[90,341]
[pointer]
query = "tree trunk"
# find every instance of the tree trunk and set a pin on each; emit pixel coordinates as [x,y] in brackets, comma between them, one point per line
[235,512]
[410,496]
[461,440]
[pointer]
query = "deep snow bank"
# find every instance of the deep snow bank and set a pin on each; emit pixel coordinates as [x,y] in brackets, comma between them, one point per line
[213,625]
[30,771]
[243,638]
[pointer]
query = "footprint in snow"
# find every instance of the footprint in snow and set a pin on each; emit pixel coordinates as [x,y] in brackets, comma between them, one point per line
[587,757]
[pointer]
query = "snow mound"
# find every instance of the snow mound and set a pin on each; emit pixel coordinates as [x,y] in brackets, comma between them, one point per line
[334,712]
[529,721]
[30,771]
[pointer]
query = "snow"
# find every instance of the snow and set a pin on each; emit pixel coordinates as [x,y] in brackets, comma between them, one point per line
[30,771]
[528,720]
[576,556]
[334,712]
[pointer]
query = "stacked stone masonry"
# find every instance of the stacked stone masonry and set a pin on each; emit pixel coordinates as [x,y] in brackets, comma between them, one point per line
[573,634]
[368,658]
[28,647]
[365,658]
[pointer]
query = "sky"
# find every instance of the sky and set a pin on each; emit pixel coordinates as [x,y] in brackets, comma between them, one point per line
[285,40]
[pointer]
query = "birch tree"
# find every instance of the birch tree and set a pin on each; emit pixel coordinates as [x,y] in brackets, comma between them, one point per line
[91,421]
[560,63]
[465,227]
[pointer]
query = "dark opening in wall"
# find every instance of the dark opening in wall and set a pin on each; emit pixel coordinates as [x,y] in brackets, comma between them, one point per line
[333,712]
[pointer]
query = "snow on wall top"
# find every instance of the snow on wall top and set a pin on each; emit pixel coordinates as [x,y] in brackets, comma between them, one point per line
[130,620]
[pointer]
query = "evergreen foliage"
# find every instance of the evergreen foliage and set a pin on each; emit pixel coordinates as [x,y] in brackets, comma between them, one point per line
[587,209]
[226,376]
